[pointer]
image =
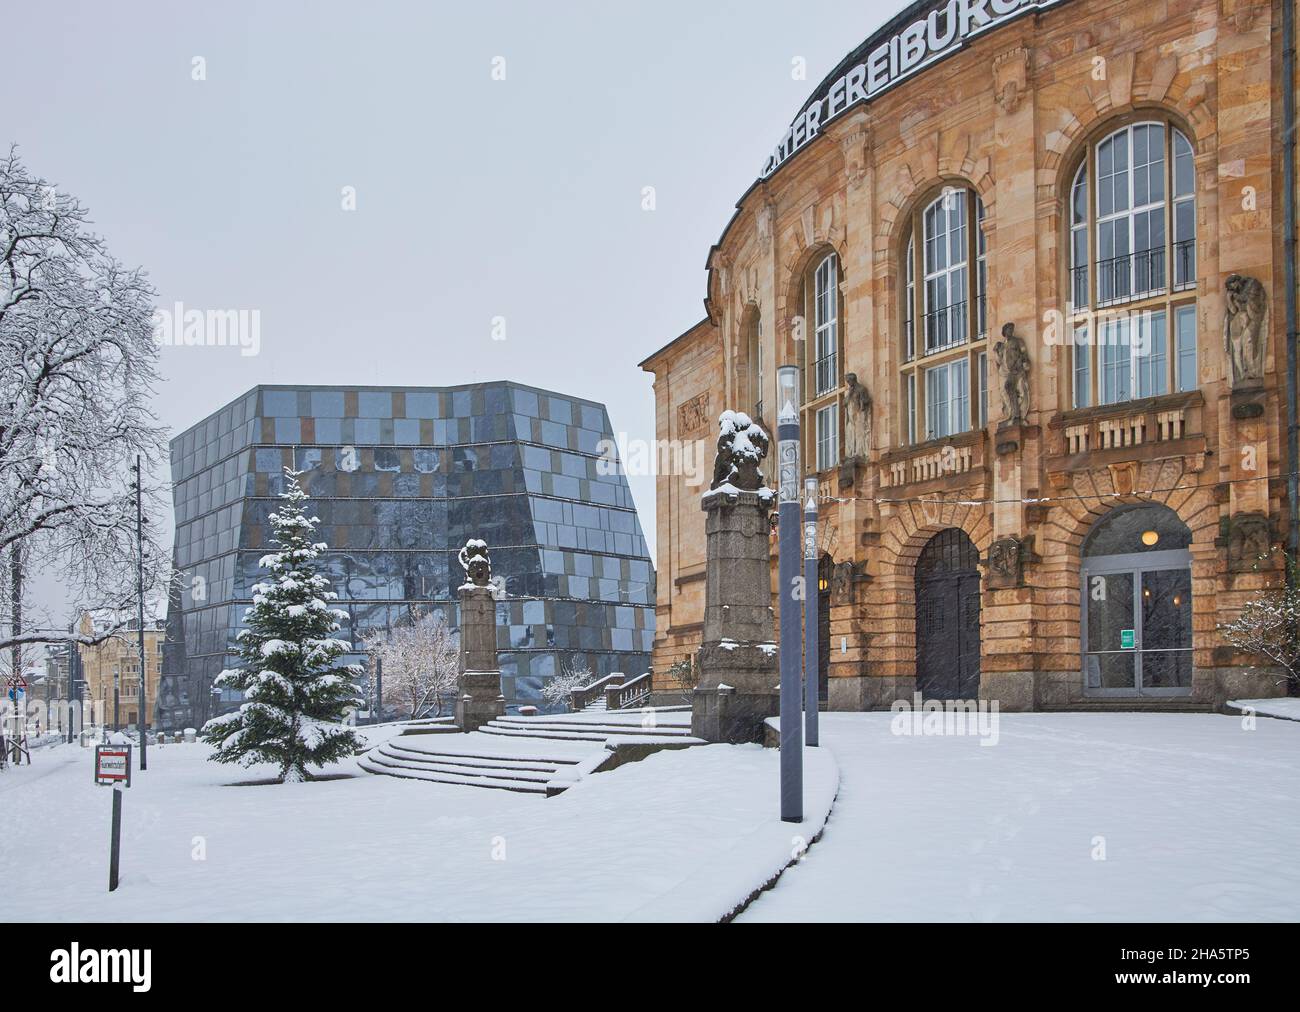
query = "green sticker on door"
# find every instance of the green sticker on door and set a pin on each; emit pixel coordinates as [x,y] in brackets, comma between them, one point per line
[1127,639]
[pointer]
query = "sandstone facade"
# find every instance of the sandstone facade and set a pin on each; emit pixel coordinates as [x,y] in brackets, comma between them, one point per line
[1005,124]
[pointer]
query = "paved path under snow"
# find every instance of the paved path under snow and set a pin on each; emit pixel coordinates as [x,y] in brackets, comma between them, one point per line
[1199,818]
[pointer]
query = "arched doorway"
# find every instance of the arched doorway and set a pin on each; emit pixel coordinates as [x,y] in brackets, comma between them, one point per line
[824,575]
[1136,622]
[948,617]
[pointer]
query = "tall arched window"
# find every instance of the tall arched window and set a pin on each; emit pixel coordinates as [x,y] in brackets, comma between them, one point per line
[944,377]
[822,315]
[755,369]
[1133,245]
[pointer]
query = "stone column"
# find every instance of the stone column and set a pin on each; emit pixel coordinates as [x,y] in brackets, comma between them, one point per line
[478,687]
[738,686]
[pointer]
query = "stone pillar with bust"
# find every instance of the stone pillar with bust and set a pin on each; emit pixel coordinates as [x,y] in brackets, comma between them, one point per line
[478,685]
[738,685]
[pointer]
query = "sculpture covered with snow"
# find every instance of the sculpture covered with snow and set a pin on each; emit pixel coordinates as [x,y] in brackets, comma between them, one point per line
[474,560]
[742,445]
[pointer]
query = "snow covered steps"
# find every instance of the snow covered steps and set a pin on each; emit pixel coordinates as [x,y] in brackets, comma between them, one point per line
[530,755]
[569,730]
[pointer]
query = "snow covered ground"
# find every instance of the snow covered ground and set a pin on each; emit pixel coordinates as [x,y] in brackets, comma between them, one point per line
[1198,816]
[682,835]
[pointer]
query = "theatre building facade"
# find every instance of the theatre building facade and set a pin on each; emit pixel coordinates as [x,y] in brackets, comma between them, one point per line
[1029,257]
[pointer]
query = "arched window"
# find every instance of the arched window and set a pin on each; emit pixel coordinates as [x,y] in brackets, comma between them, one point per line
[1133,245]
[944,378]
[755,369]
[822,316]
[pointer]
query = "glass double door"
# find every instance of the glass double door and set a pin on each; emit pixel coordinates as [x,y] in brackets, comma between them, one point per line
[1137,624]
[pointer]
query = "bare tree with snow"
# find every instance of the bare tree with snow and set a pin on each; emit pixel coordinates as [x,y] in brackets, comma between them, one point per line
[420,664]
[558,690]
[77,370]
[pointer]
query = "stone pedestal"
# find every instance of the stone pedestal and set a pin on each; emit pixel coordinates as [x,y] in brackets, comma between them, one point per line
[739,672]
[478,695]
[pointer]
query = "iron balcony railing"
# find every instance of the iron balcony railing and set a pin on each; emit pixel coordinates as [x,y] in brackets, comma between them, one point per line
[1136,275]
[1130,276]
[826,373]
[1184,265]
[946,328]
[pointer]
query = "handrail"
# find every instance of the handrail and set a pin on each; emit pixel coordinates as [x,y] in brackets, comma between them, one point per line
[585,695]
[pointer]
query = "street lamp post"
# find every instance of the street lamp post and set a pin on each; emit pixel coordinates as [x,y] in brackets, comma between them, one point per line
[787,435]
[811,661]
[139,604]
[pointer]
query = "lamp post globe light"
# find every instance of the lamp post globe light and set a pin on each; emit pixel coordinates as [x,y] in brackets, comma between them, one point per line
[787,434]
[811,660]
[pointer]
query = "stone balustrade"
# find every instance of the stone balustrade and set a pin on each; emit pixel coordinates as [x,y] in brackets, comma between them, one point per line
[933,461]
[585,695]
[1130,425]
[633,692]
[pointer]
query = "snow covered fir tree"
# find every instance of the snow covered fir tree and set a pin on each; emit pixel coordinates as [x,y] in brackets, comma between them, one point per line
[295,693]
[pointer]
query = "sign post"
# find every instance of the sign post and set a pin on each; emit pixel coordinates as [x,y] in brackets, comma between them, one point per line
[113,766]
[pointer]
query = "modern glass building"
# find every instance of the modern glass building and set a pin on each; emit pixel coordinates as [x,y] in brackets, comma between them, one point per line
[400,478]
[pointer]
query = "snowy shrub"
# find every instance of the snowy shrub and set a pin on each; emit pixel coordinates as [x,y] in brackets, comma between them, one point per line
[1269,623]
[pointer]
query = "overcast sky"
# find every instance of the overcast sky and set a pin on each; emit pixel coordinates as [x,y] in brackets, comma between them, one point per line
[475,198]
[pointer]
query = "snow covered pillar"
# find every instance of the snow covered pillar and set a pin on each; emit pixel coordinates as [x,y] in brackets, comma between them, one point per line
[478,686]
[738,682]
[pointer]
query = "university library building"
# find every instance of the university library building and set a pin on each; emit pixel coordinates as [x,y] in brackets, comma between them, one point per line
[1029,258]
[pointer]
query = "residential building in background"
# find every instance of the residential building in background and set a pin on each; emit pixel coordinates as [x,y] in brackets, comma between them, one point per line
[401,478]
[115,662]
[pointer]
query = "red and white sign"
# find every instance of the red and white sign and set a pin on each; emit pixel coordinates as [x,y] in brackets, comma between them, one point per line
[112,764]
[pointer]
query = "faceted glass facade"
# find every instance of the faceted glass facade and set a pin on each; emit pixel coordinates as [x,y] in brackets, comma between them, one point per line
[400,478]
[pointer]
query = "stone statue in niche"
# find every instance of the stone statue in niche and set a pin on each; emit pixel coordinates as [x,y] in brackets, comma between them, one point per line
[742,445]
[857,418]
[1245,329]
[474,560]
[1012,359]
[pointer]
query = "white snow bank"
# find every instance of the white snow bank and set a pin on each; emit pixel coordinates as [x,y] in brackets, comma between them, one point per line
[1287,708]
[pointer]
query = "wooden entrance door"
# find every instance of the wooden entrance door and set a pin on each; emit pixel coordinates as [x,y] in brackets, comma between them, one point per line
[948,617]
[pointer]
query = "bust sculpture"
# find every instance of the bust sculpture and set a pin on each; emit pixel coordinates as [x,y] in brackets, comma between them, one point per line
[474,560]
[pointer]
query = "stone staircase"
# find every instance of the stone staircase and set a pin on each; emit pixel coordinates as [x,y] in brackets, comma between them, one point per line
[530,755]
